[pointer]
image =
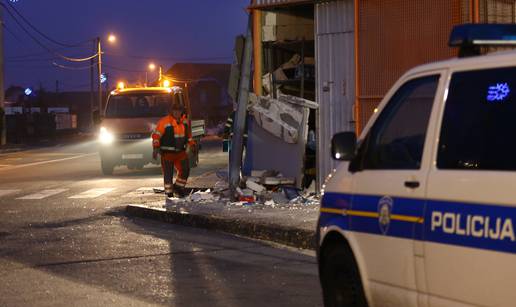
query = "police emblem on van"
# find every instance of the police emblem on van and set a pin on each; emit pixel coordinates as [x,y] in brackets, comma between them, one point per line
[384,213]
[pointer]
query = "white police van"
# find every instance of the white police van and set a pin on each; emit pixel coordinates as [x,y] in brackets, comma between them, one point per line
[423,213]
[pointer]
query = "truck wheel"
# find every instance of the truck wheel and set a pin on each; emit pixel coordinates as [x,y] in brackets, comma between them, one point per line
[340,278]
[107,167]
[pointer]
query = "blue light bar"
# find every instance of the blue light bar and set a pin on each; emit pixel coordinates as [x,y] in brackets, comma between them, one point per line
[470,35]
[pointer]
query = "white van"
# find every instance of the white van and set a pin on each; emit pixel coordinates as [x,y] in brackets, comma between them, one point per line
[131,115]
[422,211]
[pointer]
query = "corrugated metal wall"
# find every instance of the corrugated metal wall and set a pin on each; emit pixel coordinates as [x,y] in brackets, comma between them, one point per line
[276,3]
[498,11]
[397,35]
[335,84]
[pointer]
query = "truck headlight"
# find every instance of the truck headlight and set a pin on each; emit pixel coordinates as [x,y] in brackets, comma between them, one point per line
[105,137]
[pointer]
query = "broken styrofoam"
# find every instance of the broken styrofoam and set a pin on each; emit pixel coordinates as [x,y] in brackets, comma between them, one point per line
[258,188]
[270,203]
[278,181]
[279,118]
[203,196]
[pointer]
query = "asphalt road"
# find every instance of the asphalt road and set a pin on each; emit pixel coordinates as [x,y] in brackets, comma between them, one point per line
[65,241]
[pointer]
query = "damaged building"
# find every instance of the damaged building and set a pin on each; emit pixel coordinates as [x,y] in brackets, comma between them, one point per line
[322,67]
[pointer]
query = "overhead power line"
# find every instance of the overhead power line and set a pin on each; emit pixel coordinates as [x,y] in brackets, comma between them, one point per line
[40,32]
[42,45]
[73,68]
[35,54]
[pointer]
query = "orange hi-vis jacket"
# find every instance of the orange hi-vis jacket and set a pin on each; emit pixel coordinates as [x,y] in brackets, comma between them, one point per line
[171,135]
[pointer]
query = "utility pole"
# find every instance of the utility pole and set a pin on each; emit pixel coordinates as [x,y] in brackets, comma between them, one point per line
[2,93]
[92,90]
[235,160]
[99,68]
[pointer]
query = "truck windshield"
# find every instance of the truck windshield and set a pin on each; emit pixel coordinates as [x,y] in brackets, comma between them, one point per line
[138,105]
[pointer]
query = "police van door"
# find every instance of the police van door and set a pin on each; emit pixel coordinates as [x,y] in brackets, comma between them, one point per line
[389,179]
[470,245]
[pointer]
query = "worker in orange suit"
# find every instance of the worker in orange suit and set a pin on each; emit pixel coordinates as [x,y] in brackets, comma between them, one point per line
[170,139]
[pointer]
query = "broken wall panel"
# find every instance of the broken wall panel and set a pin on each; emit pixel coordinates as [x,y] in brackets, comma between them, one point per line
[267,151]
[279,118]
[335,84]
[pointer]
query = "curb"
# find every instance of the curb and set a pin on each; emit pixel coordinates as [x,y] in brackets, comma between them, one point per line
[294,237]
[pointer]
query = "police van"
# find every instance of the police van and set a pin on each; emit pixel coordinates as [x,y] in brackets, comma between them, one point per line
[422,210]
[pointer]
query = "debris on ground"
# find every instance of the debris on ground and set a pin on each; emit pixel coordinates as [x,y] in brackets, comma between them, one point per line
[256,193]
[200,196]
[256,187]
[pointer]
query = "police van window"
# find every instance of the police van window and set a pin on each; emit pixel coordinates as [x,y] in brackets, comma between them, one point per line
[397,137]
[479,121]
[138,105]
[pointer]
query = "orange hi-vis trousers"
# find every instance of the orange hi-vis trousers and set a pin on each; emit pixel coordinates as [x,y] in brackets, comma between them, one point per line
[179,161]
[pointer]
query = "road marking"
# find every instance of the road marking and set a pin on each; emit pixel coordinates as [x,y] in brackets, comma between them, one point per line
[43,194]
[142,192]
[93,193]
[45,162]
[7,192]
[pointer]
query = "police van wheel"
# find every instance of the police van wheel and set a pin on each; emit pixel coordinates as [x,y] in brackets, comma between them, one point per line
[340,278]
[107,167]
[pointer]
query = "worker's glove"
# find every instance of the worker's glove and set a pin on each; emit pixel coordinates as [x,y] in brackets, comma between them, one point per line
[155,152]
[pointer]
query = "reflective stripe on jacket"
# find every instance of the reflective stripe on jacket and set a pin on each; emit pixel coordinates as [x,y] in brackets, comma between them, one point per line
[171,135]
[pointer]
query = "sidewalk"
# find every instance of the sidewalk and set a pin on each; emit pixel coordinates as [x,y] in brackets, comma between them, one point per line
[291,224]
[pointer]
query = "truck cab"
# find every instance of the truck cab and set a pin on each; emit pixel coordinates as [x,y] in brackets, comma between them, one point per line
[421,210]
[130,116]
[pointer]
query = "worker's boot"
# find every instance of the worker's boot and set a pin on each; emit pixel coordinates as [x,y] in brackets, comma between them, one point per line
[179,191]
[169,190]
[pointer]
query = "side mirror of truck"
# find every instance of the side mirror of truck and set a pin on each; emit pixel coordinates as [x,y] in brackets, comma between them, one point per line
[343,146]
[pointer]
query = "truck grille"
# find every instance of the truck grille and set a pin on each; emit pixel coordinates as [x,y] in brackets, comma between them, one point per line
[134,136]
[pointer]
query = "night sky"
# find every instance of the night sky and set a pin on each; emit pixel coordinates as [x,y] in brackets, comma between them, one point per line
[160,31]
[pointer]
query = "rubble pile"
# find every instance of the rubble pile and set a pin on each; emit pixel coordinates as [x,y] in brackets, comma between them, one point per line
[263,189]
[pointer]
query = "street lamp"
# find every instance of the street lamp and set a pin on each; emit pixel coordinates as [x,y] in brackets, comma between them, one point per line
[112,38]
[151,67]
